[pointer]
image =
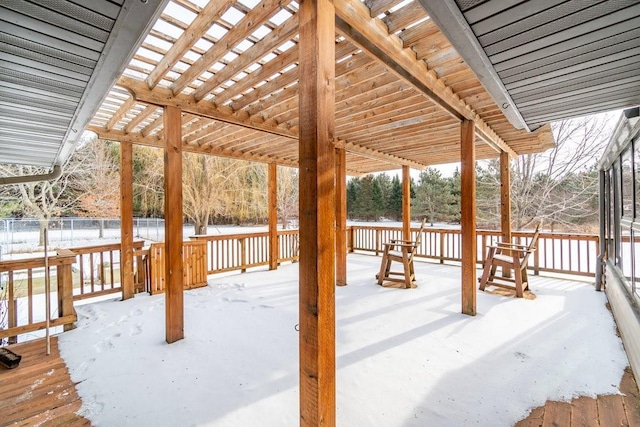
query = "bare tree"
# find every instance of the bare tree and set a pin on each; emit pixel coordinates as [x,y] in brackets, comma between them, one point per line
[287,195]
[45,199]
[98,183]
[208,184]
[559,186]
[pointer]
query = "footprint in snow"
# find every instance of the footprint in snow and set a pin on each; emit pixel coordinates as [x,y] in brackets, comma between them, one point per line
[136,329]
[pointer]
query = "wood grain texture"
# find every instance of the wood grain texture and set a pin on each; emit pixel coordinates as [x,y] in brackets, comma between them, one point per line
[341,217]
[505,203]
[584,412]
[174,304]
[557,414]
[273,215]
[317,213]
[468,216]
[126,219]
[40,390]
[406,203]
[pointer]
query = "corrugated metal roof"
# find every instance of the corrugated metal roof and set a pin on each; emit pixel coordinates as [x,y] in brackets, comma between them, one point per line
[552,59]
[58,59]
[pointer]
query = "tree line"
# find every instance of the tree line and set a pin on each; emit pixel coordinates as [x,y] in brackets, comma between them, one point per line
[558,187]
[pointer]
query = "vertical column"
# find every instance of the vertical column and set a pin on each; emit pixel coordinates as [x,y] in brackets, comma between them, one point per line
[173,224]
[406,203]
[126,219]
[273,216]
[505,203]
[317,213]
[468,217]
[341,217]
[603,206]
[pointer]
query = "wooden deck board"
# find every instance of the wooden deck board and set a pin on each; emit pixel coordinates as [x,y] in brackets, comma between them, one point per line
[604,410]
[584,412]
[557,414]
[40,390]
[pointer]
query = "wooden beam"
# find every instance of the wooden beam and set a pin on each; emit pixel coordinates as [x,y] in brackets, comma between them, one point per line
[243,28]
[378,155]
[142,116]
[152,141]
[406,203]
[174,298]
[118,115]
[505,203]
[341,217]
[266,45]
[198,27]
[126,220]
[317,214]
[468,216]
[164,97]
[273,215]
[161,97]
[372,35]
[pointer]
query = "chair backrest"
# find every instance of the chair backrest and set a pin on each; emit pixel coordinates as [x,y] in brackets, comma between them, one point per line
[534,239]
[532,245]
[416,243]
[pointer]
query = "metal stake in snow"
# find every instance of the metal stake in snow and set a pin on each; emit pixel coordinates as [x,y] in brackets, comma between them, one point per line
[47,290]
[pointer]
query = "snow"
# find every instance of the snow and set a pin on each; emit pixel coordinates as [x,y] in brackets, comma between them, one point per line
[404,357]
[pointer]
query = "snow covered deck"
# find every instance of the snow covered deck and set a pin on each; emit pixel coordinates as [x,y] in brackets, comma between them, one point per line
[404,357]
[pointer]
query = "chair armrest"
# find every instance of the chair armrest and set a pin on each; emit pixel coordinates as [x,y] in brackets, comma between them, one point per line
[400,241]
[506,245]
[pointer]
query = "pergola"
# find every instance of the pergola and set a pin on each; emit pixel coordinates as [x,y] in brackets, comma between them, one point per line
[333,88]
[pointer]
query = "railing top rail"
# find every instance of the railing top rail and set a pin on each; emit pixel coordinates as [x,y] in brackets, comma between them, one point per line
[208,237]
[102,248]
[62,258]
[583,236]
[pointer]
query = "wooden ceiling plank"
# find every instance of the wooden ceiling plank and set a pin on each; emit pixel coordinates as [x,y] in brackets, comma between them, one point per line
[355,23]
[202,134]
[283,81]
[163,96]
[404,16]
[122,111]
[376,7]
[374,154]
[141,117]
[252,20]
[272,40]
[418,32]
[152,141]
[272,67]
[202,22]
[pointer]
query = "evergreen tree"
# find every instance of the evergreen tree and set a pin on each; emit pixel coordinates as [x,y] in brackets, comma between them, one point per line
[394,201]
[432,195]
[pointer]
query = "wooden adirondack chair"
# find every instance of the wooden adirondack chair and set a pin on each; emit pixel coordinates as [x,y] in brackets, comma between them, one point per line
[509,256]
[401,251]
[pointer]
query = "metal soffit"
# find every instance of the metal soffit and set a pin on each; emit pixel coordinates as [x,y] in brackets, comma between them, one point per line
[551,59]
[58,59]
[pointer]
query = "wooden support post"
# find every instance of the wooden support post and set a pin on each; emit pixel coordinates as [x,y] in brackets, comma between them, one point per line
[317,213]
[406,203]
[505,203]
[64,279]
[273,216]
[468,216]
[173,224]
[341,217]
[126,220]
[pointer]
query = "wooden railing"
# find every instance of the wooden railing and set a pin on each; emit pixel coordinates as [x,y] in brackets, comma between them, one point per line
[573,254]
[96,270]
[22,294]
[194,267]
